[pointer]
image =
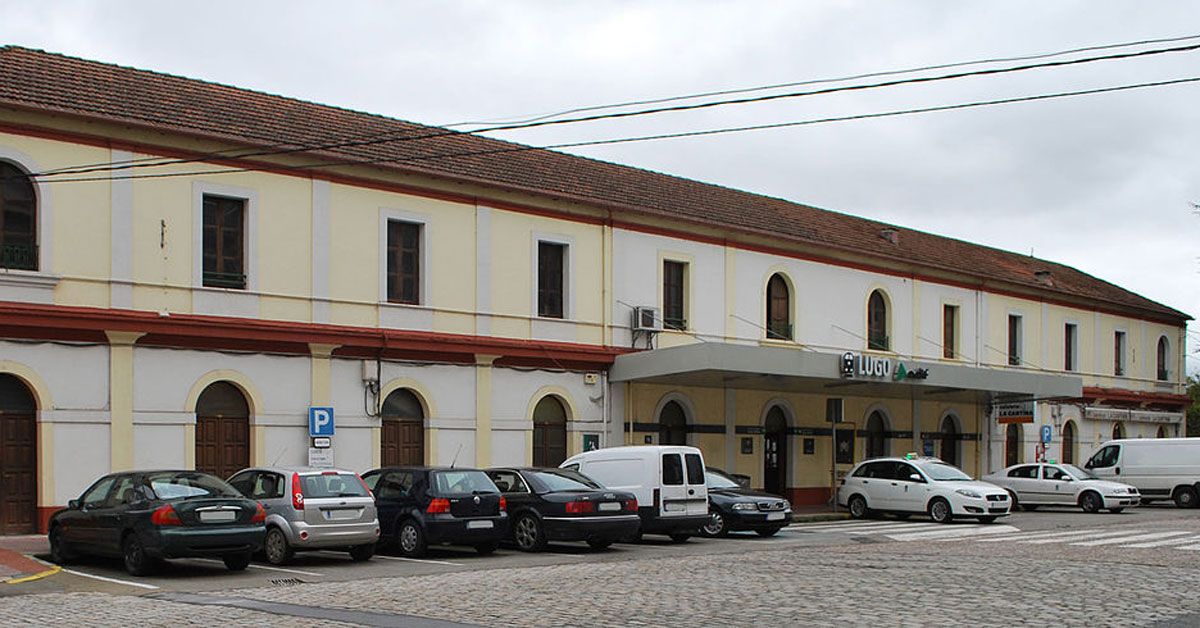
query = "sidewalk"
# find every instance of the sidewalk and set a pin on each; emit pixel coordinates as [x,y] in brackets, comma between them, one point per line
[823,512]
[14,562]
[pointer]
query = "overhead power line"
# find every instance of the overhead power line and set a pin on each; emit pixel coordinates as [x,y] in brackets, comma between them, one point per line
[642,138]
[625,114]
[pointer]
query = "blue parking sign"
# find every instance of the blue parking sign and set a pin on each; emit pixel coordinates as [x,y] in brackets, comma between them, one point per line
[1046,434]
[320,421]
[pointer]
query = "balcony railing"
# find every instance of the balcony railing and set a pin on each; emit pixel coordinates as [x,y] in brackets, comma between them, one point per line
[671,322]
[19,256]
[1163,375]
[779,331]
[224,280]
[878,342]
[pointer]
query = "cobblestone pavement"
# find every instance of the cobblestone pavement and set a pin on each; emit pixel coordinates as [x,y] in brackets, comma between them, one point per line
[99,609]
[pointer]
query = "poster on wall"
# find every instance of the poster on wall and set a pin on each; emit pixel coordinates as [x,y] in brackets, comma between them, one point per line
[844,446]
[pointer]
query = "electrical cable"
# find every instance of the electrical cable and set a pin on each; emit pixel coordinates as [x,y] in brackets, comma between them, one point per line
[629,114]
[510,148]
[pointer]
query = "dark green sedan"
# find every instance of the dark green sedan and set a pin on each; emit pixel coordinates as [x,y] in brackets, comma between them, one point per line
[144,517]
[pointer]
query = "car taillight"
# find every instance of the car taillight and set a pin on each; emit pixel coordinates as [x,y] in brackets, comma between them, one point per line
[438,505]
[629,505]
[578,508]
[260,514]
[503,504]
[297,493]
[364,485]
[165,516]
[656,500]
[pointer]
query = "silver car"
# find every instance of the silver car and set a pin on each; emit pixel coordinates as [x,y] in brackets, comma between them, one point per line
[309,509]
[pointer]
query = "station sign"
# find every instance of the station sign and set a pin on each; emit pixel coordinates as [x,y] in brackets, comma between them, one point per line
[868,366]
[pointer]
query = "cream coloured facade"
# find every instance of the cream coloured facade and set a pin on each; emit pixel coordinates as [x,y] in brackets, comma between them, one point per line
[119,342]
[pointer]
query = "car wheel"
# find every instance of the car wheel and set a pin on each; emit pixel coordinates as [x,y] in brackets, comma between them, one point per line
[237,562]
[680,538]
[276,547]
[410,538]
[60,552]
[939,511]
[1115,511]
[988,519]
[1090,502]
[715,526]
[858,507]
[1014,502]
[362,553]
[137,561]
[528,534]
[598,544]
[1029,507]
[768,532]
[486,548]
[1185,497]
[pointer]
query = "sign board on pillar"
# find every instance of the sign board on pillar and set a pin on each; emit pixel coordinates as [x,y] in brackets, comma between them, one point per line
[1046,434]
[320,457]
[591,442]
[320,421]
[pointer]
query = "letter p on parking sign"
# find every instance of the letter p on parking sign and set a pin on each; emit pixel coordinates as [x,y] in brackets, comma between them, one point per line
[320,421]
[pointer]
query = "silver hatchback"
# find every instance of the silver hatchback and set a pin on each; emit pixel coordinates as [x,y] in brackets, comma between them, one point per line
[309,509]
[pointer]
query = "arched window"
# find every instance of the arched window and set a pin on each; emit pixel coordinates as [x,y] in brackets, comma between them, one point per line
[402,441]
[1118,430]
[18,457]
[1068,443]
[672,425]
[222,430]
[877,322]
[949,453]
[1164,347]
[18,220]
[549,432]
[877,445]
[1012,444]
[779,309]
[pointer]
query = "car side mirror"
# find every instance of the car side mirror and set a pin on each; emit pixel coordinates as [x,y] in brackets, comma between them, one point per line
[73,504]
[916,477]
[1067,478]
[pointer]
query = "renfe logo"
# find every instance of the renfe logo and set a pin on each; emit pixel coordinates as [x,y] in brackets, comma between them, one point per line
[320,421]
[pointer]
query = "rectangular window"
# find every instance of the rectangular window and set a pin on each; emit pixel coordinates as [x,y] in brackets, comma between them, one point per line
[672,470]
[1014,340]
[551,275]
[224,242]
[1119,353]
[674,312]
[695,469]
[1070,340]
[949,327]
[403,262]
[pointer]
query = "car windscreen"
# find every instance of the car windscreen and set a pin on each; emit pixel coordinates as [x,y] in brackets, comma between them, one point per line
[187,485]
[1077,473]
[455,482]
[942,471]
[718,480]
[332,484]
[564,480]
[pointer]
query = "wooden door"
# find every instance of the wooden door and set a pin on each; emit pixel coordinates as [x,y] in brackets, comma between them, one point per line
[222,445]
[402,442]
[775,453]
[18,473]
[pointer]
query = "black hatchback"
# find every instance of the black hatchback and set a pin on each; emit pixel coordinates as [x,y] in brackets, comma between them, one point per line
[564,505]
[735,508]
[146,516]
[423,506]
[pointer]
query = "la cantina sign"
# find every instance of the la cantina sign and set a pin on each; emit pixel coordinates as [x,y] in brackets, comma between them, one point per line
[854,365]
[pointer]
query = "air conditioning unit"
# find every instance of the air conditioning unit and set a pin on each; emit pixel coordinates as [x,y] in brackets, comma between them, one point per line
[646,318]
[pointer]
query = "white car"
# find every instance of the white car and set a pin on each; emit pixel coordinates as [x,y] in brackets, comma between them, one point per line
[903,486]
[1042,484]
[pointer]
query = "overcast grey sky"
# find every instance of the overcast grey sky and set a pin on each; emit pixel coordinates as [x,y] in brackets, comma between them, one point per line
[1103,183]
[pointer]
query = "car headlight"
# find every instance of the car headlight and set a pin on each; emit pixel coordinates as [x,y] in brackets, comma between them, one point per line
[745,506]
[969,493]
[786,504]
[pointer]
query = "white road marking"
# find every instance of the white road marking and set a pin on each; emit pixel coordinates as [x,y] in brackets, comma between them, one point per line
[107,579]
[1166,543]
[1126,539]
[1080,537]
[841,525]
[1039,535]
[897,528]
[419,560]
[256,566]
[956,533]
[1194,548]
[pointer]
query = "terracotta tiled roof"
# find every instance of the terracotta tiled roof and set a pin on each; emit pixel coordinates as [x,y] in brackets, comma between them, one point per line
[51,82]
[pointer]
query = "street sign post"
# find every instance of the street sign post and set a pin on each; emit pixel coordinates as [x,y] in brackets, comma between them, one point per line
[320,421]
[1046,434]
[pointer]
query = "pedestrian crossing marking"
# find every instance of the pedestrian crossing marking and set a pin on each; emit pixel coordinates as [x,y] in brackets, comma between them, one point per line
[1126,538]
[950,534]
[1166,543]
[1038,535]
[1080,537]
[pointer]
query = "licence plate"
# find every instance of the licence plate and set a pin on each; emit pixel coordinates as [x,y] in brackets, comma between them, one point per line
[475,525]
[218,516]
[610,506]
[342,514]
[775,516]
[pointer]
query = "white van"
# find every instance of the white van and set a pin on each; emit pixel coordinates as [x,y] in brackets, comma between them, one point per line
[667,479]
[1160,468]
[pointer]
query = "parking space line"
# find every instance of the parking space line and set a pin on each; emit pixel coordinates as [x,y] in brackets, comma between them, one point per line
[1126,539]
[1079,536]
[127,583]
[256,566]
[1166,543]
[419,560]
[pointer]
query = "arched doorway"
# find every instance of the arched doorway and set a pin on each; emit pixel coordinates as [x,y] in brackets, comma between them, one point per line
[403,439]
[18,457]
[1118,430]
[949,448]
[1012,444]
[877,445]
[1068,443]
[775,452]
[222,430]
[549,432]
[672,425]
